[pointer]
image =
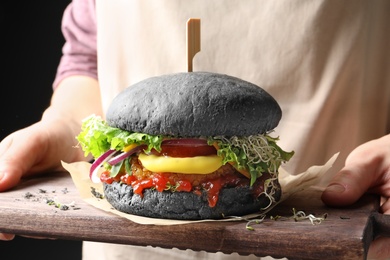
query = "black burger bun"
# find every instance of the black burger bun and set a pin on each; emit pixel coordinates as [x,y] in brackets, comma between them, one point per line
[234,201]
[194,104]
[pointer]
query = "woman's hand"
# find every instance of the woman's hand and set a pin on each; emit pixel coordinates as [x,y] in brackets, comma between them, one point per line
[36,149]
[41,147]
[367,169]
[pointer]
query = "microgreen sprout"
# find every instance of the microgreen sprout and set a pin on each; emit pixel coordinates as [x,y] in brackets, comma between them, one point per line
[171,187]
[257,154]
[60,205]
[259,219]
[248,225]
[270,188]
[297,216]
[301,215]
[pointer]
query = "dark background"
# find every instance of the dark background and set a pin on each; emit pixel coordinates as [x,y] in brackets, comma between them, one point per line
[30,49]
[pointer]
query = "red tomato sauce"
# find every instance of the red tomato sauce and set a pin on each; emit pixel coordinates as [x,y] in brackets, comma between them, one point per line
[212,183]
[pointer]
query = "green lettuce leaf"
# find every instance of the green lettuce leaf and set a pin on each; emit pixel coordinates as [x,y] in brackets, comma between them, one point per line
[96,137]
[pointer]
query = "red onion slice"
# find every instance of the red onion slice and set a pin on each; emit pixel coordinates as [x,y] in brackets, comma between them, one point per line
[93,172]
[124,155]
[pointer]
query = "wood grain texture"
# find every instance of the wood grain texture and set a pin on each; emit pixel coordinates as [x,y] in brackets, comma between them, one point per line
[345,234]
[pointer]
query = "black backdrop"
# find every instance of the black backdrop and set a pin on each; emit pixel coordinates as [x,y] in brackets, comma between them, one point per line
[30,49]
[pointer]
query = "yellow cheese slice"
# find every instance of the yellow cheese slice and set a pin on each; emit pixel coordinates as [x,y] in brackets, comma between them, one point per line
[129,147]
[186,165]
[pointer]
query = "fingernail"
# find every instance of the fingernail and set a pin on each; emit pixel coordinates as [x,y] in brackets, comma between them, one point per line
[336,188]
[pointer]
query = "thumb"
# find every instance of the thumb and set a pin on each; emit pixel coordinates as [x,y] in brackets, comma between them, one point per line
[346,187]
[9,175]
[365,170]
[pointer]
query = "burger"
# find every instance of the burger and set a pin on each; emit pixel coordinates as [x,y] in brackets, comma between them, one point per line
[187,146]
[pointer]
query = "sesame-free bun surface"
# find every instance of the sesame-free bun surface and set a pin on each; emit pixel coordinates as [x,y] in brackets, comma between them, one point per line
[194,104]
[232,201]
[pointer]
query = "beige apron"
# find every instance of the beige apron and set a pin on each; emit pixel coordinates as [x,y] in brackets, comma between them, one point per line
[326,62]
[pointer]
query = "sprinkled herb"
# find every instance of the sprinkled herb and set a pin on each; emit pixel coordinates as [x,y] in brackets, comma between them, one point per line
[96,194]
[61,206]
[28,195]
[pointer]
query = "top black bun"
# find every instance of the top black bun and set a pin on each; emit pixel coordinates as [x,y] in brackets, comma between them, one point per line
[194,104]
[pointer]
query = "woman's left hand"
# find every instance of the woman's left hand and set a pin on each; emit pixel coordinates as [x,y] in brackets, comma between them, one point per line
[366,170]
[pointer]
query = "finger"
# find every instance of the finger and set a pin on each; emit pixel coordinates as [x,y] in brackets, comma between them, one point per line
[379,249]
[366,169]
[346,188]
[10,169]
[9,178]
[6,237]
[385,205]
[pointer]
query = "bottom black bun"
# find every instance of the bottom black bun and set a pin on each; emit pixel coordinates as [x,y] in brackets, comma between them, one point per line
[236,201]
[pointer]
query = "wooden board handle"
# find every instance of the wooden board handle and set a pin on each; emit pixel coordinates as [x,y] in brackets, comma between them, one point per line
[381,224]
[193,40]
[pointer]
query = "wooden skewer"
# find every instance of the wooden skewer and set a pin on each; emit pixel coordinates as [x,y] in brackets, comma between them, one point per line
[193,40]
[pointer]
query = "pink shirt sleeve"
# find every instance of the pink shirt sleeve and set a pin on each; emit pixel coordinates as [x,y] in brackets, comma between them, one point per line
[79,51]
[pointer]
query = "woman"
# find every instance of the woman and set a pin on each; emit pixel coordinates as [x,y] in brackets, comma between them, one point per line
[325,62]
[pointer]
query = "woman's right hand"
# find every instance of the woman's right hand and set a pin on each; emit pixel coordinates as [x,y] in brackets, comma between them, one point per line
[36,149]
[41,147]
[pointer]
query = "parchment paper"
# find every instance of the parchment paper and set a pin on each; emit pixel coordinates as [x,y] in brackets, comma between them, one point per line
[290,184]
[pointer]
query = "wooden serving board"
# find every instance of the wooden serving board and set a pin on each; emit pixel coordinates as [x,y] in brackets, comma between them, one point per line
[344,234]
